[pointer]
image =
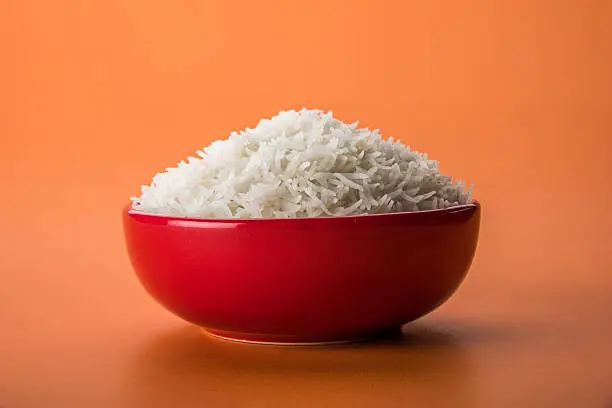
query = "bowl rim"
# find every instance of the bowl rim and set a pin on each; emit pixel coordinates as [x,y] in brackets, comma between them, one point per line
[473,206]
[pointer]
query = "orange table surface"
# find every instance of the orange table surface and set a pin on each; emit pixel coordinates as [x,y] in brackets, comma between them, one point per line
[513,96]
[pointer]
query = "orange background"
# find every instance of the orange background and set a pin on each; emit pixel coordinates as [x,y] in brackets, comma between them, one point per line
[95,97]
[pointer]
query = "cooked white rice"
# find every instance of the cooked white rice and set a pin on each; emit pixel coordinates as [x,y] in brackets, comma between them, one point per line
[301,164]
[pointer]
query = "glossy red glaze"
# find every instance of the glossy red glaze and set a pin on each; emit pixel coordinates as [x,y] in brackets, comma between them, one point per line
[303,280]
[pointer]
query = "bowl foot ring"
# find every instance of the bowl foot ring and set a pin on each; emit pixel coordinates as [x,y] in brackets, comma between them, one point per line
[272,340]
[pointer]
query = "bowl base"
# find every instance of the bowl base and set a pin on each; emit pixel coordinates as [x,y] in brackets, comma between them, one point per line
[272,340]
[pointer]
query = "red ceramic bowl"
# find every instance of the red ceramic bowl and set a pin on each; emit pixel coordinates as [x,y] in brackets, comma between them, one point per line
[304,280]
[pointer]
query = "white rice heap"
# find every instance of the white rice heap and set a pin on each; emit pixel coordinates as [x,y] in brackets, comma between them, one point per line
[301,164]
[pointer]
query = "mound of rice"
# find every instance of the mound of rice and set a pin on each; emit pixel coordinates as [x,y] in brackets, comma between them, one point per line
[301,164]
